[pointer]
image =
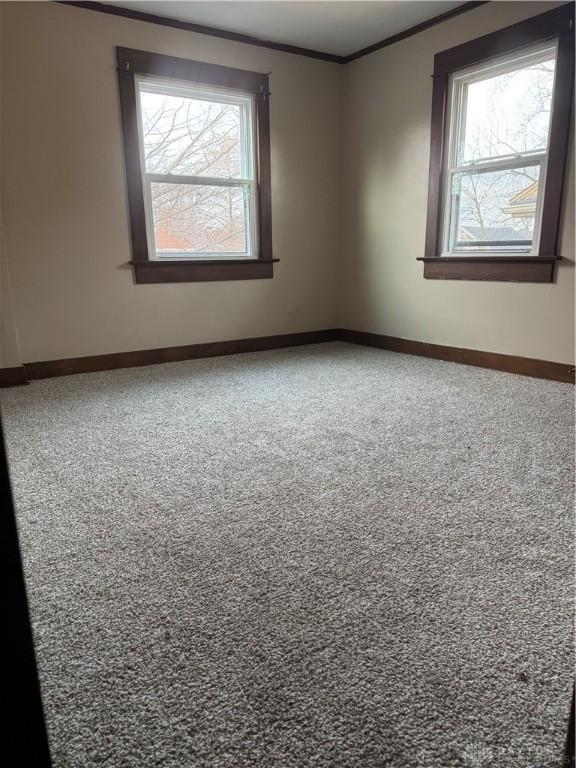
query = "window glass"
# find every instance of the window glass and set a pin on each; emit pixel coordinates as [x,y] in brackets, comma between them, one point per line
[199,219]
[497,153]
[198,171]
[191,136]
[509,112]
[494,208]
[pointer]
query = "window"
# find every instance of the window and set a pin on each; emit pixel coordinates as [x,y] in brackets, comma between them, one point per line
[501,111]
[198,169]
[497,152]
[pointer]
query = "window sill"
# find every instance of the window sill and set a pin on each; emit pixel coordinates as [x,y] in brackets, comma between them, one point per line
[510,269]
[202,271]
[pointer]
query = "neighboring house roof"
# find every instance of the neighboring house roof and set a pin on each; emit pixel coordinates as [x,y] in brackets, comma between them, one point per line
[526,195]
[472,233]
[523,203]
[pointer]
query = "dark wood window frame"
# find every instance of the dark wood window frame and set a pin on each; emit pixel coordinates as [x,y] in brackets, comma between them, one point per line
[557,24]
[146,270]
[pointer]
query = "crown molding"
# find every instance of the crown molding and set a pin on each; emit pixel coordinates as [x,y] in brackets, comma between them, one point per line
[203,29]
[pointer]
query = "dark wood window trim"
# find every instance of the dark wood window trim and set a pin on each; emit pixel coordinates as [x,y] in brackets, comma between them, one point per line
[146,270]
[555,24]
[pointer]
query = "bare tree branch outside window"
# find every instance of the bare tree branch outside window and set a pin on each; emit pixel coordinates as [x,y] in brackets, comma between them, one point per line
[202,138]
[505,115]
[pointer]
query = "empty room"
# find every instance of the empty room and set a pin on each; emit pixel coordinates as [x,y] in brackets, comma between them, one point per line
[287,383]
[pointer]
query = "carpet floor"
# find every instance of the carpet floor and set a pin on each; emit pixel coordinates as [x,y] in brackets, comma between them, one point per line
[322,557]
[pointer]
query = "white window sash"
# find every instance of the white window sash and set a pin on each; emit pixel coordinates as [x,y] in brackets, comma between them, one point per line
[251,249]
[503,163]
[248,163]
[208,181]
[533,158]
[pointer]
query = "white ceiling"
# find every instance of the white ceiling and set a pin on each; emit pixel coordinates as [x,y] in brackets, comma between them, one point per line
[340,27]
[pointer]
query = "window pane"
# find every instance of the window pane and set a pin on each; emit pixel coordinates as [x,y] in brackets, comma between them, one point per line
[508,113]
[192,136]
[196,219]
[494,208]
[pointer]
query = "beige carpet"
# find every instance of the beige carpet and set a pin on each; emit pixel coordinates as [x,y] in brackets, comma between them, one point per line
[327,557]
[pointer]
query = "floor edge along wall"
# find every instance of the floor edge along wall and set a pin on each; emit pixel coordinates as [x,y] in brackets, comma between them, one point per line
[525,366]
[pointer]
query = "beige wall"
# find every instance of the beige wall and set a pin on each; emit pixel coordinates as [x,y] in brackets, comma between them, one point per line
[348,234]
[9,351]
[65,202]
[387,137]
